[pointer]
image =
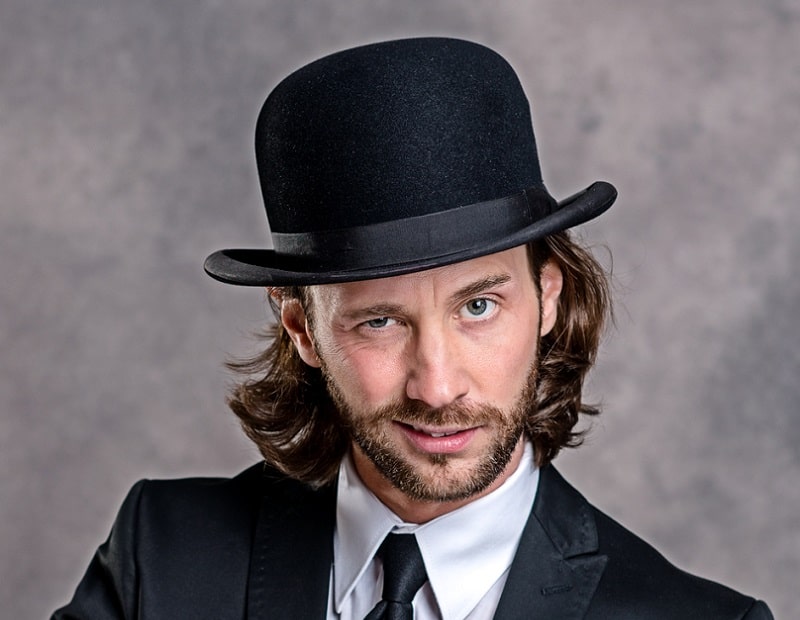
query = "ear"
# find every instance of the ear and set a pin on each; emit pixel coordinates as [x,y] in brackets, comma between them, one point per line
[550,284]
[295,322]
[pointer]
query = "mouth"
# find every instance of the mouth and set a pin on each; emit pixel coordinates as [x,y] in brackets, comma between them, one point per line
[434,432]
[438,440]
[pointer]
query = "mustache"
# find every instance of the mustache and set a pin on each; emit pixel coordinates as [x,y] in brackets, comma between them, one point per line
[456,414]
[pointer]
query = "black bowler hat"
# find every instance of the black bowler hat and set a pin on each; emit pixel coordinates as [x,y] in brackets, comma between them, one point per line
[396,157]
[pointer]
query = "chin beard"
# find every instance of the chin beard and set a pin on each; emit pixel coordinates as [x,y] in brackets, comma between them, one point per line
[439,480]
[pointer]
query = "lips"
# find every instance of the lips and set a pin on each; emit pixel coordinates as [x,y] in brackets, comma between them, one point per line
[435,433]
[438,440]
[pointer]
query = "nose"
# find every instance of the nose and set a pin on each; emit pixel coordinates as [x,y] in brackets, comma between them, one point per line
[437,375]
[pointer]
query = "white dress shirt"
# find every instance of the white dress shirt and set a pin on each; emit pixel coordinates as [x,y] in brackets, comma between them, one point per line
[467,552]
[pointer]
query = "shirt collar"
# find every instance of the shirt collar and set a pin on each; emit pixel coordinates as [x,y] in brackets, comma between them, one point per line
[465,551]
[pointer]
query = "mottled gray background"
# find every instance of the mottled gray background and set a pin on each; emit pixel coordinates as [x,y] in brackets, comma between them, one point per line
[125,158]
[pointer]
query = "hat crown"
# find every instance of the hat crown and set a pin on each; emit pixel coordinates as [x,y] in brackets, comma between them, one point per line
[390,131]
[395,157]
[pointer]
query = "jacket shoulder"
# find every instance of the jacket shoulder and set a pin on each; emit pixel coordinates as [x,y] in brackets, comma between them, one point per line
[196,506]
[639,582]
[178,545]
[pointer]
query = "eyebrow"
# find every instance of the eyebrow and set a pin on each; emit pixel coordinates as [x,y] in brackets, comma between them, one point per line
[480,286]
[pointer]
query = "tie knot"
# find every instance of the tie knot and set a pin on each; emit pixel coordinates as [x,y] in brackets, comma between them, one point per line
[403,568]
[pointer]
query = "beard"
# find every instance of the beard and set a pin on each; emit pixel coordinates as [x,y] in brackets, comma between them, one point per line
[440,478]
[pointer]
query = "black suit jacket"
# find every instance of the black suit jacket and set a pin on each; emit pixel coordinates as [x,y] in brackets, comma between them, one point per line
[260,546]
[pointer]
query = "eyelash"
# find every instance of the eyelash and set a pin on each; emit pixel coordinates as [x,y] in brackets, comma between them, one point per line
[382,318]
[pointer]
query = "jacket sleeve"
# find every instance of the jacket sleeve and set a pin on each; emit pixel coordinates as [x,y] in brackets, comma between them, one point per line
[108,589]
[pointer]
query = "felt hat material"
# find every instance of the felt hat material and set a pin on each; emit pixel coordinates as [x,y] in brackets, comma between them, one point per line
[396,157]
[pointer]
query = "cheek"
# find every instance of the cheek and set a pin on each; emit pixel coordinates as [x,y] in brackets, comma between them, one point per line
[512,353]
[369,378]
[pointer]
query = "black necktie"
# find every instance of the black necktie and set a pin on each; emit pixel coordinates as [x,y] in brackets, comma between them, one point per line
[403,574]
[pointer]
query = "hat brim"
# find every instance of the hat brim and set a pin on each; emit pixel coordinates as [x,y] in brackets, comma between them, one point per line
[261,267]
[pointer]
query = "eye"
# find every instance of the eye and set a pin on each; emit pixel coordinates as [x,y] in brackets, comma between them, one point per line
[378,323]
[478,307]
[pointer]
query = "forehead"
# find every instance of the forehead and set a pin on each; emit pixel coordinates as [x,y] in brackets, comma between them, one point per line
[513,265]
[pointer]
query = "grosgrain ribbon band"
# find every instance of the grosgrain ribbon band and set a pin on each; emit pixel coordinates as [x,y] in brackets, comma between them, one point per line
[399,241]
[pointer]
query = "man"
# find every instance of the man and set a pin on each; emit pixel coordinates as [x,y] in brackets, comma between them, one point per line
[436,322]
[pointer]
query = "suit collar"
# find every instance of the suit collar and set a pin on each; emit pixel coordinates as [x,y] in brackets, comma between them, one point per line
[557,568]
[290,563]
[459,574]
[554,574]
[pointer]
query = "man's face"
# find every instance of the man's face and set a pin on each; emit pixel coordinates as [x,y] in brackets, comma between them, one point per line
[433,371]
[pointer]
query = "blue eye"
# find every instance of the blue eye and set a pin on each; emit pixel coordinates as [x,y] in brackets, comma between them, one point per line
[378,323]
[479,307]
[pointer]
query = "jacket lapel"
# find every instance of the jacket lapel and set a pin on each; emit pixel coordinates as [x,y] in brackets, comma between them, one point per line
[292,552]
[554,574]
[557,568]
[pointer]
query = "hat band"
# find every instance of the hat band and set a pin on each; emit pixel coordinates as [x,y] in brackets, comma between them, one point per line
[414,238]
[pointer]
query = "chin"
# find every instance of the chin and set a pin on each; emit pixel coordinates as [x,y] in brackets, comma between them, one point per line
[440,477]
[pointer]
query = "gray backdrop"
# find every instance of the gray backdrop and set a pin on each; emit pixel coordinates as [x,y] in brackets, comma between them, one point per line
[125,155]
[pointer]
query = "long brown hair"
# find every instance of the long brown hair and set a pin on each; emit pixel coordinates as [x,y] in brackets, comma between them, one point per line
[285,409]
